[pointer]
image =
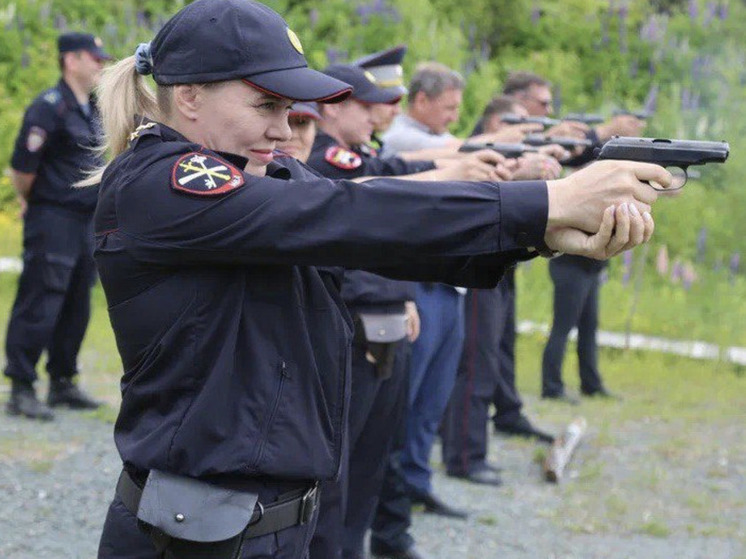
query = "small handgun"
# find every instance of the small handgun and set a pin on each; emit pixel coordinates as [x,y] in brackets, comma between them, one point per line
[585,118]
[510,151]
[546,122]
[676,154]
[642,115]
[566,142]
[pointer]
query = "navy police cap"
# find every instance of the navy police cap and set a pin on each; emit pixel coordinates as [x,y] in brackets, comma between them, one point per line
[386,67]
[310,110]
[71,42]
[363,82]
[219,40]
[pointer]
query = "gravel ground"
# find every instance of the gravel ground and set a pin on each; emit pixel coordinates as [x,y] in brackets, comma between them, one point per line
[56,480]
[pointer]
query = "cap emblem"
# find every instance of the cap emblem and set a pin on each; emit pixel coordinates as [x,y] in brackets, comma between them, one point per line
[371,77]
[205,175]
[343,158]
[295,41]
[98,42]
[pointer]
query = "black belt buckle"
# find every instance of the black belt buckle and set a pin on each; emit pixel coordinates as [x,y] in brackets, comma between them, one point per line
[308,504]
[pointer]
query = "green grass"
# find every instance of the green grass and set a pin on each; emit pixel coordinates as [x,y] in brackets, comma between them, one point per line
[712,310]
[99,361]
[10,234]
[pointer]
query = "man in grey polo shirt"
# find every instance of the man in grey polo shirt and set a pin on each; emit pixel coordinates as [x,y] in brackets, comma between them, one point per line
[435,95]
[434,100]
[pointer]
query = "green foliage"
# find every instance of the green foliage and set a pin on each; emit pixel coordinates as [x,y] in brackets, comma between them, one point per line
[600,55]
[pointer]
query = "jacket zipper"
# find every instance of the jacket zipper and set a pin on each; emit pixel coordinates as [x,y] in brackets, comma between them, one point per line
[268,423]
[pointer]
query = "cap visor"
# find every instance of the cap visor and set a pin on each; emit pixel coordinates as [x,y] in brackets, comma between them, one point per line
[378,96]
[309,114]
[302,84]
[101,54]
[304,109]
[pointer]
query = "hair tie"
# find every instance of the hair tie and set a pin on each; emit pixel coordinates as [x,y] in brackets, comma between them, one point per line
[143,59]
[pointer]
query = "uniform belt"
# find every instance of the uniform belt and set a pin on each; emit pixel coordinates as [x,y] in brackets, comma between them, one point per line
[290,509]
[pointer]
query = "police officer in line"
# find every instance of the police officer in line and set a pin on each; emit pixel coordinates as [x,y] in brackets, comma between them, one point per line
[386,67]
[342,148]
[223,289]
[384,317]
[52,305]
[486,370]
[303,119]
[576,279]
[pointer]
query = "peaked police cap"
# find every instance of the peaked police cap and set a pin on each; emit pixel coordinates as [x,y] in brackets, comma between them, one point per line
[218,40]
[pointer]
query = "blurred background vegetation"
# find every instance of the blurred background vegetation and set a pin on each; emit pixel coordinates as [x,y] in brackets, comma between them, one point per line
[686,57]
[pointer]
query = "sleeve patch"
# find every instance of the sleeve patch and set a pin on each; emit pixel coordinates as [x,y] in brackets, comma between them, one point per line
[343,158]
[205,175]
[35,139]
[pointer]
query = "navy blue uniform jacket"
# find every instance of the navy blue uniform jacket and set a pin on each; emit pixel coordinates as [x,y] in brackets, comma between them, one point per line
[55,143]
[235,344]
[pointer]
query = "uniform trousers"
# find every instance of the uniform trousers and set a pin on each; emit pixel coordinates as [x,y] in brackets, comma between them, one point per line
[393,515]
[575,304]
[52,304]
[432,373]
[122,538]
[465,425]
[508,403]
[347,505]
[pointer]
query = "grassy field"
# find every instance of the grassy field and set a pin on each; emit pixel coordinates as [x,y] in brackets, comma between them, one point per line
[712,310]
[667,461]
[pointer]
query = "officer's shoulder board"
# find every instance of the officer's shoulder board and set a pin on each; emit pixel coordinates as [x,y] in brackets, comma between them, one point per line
[202,174]
[147,129]
[52,96]
[342,158]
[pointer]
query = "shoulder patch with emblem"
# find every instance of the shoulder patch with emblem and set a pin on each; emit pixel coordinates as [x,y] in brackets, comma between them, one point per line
[35,139]
[205,175]
[343,158]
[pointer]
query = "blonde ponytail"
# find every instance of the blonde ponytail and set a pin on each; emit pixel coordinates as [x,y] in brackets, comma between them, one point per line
[125,100]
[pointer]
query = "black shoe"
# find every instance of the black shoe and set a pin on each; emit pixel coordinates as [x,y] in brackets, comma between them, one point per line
[602,393]
[522,427]
[65,392]
[484,476]
[411,553]
[564,397]
[434,505]
[23,401]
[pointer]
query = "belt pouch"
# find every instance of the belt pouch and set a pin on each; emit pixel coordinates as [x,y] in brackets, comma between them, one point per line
[191,519]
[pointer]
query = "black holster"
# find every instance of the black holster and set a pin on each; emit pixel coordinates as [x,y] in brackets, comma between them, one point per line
[380,355]
[174,548]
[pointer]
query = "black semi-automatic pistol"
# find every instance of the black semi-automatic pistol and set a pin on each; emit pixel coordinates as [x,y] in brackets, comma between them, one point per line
[585,118]
[510,151]
[546,122]
[642,115]
[676,154]
[566,142]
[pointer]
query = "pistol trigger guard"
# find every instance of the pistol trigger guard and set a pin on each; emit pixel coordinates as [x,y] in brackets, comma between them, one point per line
[686,178]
